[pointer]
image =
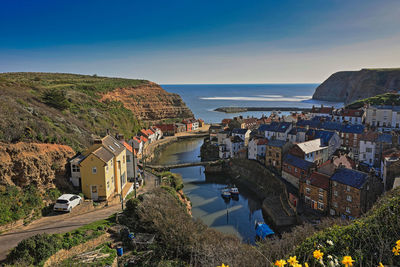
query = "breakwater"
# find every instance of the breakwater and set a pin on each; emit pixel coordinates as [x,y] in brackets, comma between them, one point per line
[246,109]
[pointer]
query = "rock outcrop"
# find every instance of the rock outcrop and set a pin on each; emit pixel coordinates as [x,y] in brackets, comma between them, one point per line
[43,165]
[349,86]
[149,102]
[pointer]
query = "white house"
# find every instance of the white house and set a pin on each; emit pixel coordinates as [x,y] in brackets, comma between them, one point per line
[157,131]
[352,116]
[230,147]
[137,144]
[383,116]
[131,161]
[257,148]
[297,135]
[75,170]
[278,130]
[312,151]
[195,124]
[368,148]
[244,134]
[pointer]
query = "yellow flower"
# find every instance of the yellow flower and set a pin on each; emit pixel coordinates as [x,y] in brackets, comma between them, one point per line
[305,264]
[396,250]
[318,254]
[398,243]
[292,261]
[297,265]
[381,265]
[280,263]
[347,261]
[223,265]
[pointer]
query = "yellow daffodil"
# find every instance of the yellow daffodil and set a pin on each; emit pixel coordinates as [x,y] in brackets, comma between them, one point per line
[381,265]
[280,263]
[223,265]
[396,251]
[398,243]
[305,264]
[318,254]
[292,261]
[347,261]
[297,265]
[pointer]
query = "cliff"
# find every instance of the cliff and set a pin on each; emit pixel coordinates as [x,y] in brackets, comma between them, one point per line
[150,102]
[70,109]
[42,165]
[349,86]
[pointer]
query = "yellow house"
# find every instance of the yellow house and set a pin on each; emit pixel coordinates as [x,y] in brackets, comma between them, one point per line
[103,170]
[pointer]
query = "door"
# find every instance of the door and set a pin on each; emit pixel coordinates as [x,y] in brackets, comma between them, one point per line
[94,192]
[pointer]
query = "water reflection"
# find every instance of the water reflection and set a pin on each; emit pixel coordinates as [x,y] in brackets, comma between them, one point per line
[234,216]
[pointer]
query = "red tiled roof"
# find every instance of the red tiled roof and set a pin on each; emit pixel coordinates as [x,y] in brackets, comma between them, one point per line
[226,121]
[149,132]
[137,139]
[144,132]
[352,112]
[320,180]
[322,109]
[127,146]
[144,139]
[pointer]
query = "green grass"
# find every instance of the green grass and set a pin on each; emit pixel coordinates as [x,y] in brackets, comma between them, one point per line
[383,99]
[107,261]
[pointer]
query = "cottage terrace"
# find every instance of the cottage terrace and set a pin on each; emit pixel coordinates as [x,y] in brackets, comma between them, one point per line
[295,169]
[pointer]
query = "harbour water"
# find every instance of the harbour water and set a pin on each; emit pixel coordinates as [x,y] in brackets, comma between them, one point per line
[229,216]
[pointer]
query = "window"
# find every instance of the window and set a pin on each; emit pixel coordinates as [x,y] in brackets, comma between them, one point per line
[295,169]
[369,150]
[347,188]
[128,158]
[75,168]
[335,193]
[308,182]
[334,183]
[349,199]
[108,184]
[107,168]
[335,204]
[321,191]
[348,210]
[308,190]
[320,205]
[94,170]
[321,197]
[307,199]
[123,159]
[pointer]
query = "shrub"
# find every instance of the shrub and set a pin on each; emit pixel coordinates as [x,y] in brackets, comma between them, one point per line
[56,98]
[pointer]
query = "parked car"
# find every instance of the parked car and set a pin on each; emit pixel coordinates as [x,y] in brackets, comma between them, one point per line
[66,202]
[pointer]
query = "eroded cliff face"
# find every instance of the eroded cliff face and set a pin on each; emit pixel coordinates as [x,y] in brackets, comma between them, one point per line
[43,165]
[150,102]
[348,86]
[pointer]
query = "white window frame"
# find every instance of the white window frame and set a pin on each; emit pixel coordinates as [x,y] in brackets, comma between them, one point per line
[94,170]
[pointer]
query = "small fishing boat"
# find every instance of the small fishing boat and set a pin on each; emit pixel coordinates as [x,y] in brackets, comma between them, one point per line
[263,230]
[234,191]
[225,193]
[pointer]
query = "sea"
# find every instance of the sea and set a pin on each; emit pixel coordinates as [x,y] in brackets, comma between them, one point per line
[203,99]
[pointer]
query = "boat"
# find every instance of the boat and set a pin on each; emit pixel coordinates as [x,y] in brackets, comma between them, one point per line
[234,191]
[226,193]
[263,230]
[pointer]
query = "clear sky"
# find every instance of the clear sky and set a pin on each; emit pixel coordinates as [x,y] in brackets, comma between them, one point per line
[189,41]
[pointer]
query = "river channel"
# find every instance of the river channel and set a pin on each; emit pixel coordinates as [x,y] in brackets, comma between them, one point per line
[204,190]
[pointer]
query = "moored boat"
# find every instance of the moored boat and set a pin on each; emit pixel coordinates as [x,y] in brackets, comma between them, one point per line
[225,193]
[234,191]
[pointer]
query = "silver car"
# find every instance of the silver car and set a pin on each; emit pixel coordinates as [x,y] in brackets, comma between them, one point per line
[66,202]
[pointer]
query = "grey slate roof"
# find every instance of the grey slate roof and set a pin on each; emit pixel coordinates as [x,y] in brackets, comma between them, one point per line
[298,162]
[350,177]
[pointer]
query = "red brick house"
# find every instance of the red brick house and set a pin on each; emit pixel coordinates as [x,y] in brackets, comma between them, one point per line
[314,190]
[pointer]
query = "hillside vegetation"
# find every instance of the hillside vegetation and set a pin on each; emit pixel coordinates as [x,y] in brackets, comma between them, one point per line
[383,99]
[71,109]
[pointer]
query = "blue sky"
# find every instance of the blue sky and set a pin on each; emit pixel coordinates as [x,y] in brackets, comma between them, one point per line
[200,41]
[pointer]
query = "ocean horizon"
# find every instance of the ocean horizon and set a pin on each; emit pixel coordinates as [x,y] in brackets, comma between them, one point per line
[203,99]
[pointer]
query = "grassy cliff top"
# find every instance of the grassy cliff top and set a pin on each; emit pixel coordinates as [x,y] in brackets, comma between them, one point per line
[62,108]
[383,99]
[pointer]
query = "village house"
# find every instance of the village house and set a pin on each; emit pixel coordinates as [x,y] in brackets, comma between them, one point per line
[350,135]
[244,134]
[148,134]
[338,160]
[276,149]
[257,148]
[383,117]
[222,135]
[277,130]
[131,161]
[390,167]
[312,151]
[137,144]
[75,170]
[180,127]
[321,111]
[225,122]
[167,129]
[104,169]
[214,129]
[195,124]
[329,138]
[352,192]
[315,191]
[230,147]
[297,135]
[249,123]
[295,169]
[351,116]
[367,149]
[188,124]
[157,131]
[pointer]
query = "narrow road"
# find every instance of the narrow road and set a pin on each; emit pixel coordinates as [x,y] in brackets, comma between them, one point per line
[62,223]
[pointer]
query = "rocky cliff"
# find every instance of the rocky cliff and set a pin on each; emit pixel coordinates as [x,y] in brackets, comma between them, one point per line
[349,86]
[42,165]
[150,102]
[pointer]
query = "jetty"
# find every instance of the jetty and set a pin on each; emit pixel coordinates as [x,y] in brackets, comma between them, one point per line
[245,109]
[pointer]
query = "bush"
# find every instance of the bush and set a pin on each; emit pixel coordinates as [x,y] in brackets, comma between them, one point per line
[56,98]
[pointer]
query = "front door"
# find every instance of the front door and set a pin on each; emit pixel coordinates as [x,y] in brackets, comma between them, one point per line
[94,192]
